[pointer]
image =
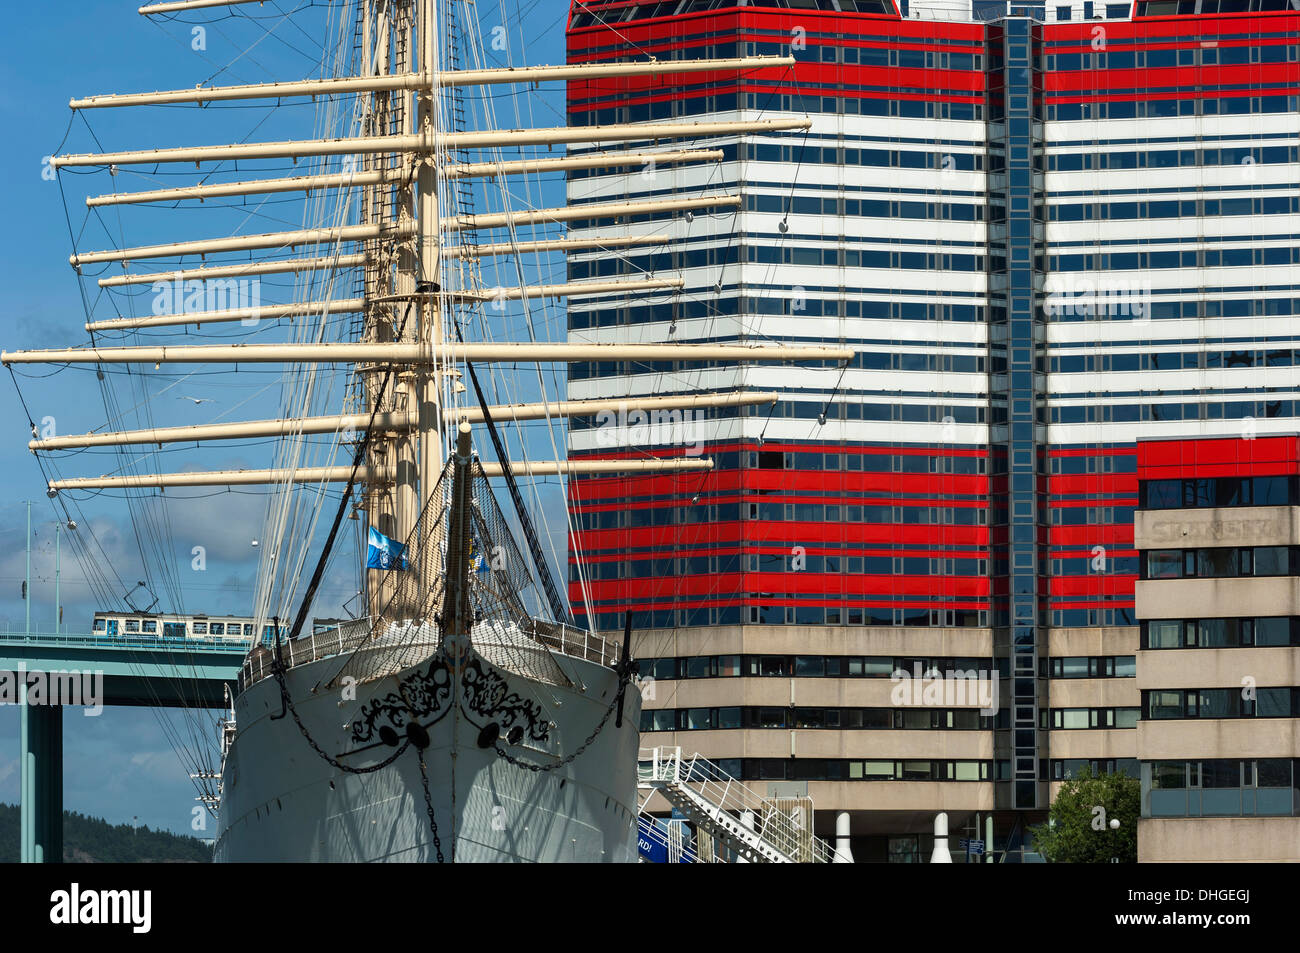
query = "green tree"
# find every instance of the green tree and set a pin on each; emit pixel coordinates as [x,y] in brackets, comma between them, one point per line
[1081,828]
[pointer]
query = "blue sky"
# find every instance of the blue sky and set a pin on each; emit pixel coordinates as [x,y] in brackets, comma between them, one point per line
[121,765]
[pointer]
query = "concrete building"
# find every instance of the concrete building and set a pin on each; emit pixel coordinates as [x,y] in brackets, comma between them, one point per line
[1049,231]
[1218,530]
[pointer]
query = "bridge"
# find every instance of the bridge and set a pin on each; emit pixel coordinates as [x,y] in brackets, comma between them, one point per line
[37,673]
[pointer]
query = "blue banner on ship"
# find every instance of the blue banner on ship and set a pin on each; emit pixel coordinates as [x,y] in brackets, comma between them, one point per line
[384,553]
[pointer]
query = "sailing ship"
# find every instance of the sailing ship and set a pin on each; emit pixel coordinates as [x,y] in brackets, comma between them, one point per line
[462,716]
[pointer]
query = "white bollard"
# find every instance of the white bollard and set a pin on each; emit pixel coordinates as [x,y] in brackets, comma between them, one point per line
[940,853]
[843,854]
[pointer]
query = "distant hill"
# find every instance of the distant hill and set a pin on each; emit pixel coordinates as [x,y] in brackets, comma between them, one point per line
[92,840]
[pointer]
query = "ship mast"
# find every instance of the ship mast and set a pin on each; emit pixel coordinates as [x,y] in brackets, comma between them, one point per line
[403,353]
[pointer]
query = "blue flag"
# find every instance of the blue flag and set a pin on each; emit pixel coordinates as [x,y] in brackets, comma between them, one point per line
[384,553]
[476,561]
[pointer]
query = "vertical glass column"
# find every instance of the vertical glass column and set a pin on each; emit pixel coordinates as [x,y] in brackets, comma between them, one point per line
[1018,136]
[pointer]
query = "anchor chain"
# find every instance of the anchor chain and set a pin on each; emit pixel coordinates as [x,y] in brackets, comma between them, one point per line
[569,759]
[428,805]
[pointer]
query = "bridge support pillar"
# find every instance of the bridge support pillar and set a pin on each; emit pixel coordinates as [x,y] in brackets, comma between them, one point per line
[42,784]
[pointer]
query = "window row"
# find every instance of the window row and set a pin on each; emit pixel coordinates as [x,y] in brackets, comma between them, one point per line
[1223,562]
[1094,463]
[1220,633]
[1092,666]
[1221,788]
[1131,413]
[1072,718]
[1171,159]
[869,258]
[1063,769]
[869,104]
[1203,258]
[1091,515]
[844,769]
[804,666]
[758,613]
[1079,618]
[609,619]
[1239,702]
[1165,59]
[646,516]
[1172,361]
[866,462]
[1200,308]
[862,208]
[854,156]
[1157,108]
[1197,492]
[1115,211]
[684,309]
[1089,565]
[851,719]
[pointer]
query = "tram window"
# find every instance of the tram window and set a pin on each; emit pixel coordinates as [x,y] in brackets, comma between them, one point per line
[132,625]
[174,630]
[248,628]
[101,625]
[217,628]
[200,628]
[151,626]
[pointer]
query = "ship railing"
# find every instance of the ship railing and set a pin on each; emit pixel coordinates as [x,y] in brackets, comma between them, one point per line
[789,832]
[349,636]
[312,647]
[577,643]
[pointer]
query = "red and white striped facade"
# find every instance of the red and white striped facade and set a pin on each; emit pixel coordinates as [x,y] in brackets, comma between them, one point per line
[1158,234]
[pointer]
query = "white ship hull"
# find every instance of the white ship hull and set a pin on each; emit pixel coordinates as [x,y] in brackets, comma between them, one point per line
[281,801]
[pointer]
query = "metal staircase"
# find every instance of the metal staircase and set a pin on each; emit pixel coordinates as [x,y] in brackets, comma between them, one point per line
[756,829]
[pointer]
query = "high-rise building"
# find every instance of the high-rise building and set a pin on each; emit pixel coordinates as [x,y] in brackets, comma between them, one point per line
[1049,232]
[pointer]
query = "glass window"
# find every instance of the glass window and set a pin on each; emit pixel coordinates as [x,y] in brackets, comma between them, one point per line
[1072,718]
[1074,667]
[1164,564]
[1164,494]
[1217,562]
[1273,778]
[700,666]
[1270,561]
[217,628]
[728,718]
[698,718]
[1164,634]
[101,625]
[1166,704]
[1272,631]
[1273,702]
[809,666]
[132,625]
[1271,491]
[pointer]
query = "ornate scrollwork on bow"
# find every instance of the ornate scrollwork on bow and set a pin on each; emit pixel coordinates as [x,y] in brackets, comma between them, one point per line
[418,696]
[488,695]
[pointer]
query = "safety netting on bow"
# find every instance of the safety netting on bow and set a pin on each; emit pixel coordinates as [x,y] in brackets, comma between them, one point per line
[507,627]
